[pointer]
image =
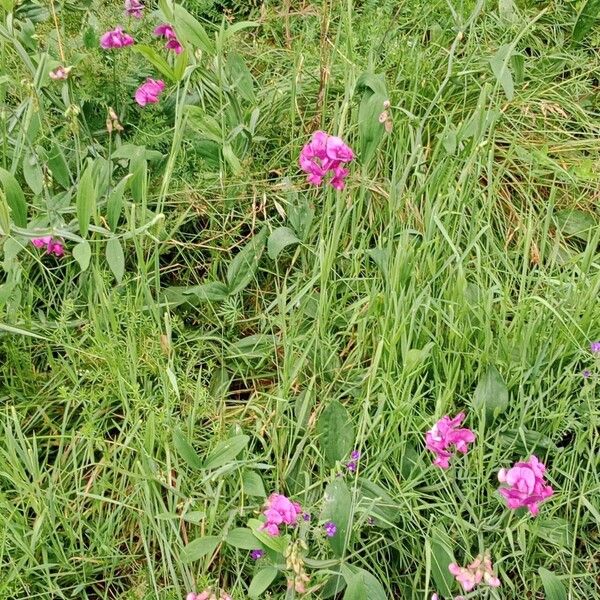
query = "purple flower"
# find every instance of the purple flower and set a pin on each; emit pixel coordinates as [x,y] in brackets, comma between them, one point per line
[280,510]
[445,435]
[586,373]
[257,554]
[595,347]
[351,466]
[149,92]
[355,455]
[306,516]
[52,245]
[324,154]
[134,8]
[165,30]
[330,528]
[116,39]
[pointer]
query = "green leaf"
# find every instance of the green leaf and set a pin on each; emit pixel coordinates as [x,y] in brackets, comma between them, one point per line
[491,393]
[252,484]
[553,586]
[243,538]
[586,19]
[199,548]
[86,201]
[381,505]
[115,258]
[261,581]
[190,31]
[32,172]
[4,215]
[226,451]
[82,253]
[14,198]
[440,557]
[336,432]
[156,60]
[239,26]
[240,76]
[279,239]
[576,223]
[507,10]
[231,158]
[502,72]
[334,586]
[337,507]
[213,291]
[244,265]
[362,585]
[185,450]
[58,166]
[278,543]
[138,167]
[114,203]
[373,90]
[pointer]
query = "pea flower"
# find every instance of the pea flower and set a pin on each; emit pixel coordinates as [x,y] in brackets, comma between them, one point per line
[60,73]
[446,434]
[53,245]
[526,486]
[325,154]
[280,510]
[116,39]
[595,347]
[479,570]
[257,554]
[149,92]
[330,528]
[134,8]
[207,595]
[165,30]
[353,463]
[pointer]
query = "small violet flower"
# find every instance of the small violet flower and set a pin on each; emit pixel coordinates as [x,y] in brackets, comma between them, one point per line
[479,570]
[280,510]
[60,73]
[149,92]
[53,246]
[257,554]
[330,528]
[353,464]
[526,486]
[446,434]
[306,516]
[586,373]
[595,347]
[134,8]
[323,154]
[165,30]
[116,39]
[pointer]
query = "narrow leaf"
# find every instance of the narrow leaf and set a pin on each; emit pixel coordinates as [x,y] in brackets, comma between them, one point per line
[157,61]
[226,451]
[115,258]
[244,265]
[440,557]
[14,198]
[114,204]
[58,166]
[553,586]
[189,30]
[491,393]
[501,69]
[185,450]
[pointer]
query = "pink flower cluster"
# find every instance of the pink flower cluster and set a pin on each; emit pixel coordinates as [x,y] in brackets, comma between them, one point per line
[445,435]
[324,154]
[165,30]
[479,570]
[116,38]
[280,510]
[525,485]
[134,8]
[53,246]
[149,92]
[207,595]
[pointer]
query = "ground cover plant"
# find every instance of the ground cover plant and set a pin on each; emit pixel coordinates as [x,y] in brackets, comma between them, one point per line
[299,299]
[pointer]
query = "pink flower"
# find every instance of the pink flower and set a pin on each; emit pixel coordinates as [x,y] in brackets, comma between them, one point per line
[116,39]
[205,595]
[526,485]
[134,8]
[445,434]
[280,510]
[60,73]
[52,245]
[165,30]
[323,154]
[479,570]
[149,92]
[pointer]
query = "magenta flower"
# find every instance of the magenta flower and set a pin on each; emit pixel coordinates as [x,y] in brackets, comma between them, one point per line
[134,8]
[165,30]
[526,485]
[479,570]
[330,528]
[280,510]
[205,595]
[53,245]
[595,347]
[325,154]
[446,434]
[149,92]
[116,39]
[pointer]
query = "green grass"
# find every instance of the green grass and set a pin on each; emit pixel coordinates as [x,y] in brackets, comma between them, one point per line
[471,239]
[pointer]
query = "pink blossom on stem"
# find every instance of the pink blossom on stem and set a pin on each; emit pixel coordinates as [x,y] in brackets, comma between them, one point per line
[325,154]
[53,245]
[60,73]
[445,435]
[205,595]
[280,510]
[149,92]
[526,486]
[479,570]
[165,30]
[134,8]
[116,39]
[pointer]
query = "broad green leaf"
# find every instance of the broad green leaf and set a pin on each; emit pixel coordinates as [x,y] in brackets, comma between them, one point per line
[240,76]
[156,60]
[252,484]
[334,586]
[576,223]
[14,198]
[115,258]
[114,203]
[244,265]
[86,201]
[58,166]
[553,586]
[373,90]
[232,159]
[362,585]
[185,450]
[440,557]
[190,31]
[212,291]
[243,538]
[82,253]
[491,393]
[226,451]
[261,581]
[279,239]
[194,516]
[499,63]
[336,432]
[337,507]
[587,18]
[301,215]
[199,548]
[32,172]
